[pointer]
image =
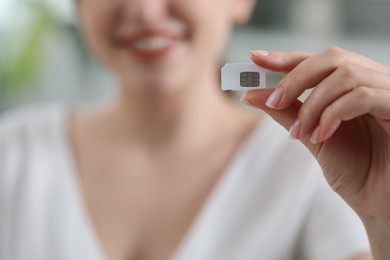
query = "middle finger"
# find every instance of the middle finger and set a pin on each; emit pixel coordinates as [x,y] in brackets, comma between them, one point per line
[312,71]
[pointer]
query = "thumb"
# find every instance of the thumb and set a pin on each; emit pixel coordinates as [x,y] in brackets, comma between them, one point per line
[285,117]
[257,98]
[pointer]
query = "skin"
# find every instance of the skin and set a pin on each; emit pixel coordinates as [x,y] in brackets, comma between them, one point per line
[137,153]
[344,122]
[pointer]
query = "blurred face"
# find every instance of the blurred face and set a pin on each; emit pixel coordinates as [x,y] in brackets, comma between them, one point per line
[160,45]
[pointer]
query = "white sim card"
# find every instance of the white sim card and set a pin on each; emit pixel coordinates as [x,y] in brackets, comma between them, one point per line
[242,76]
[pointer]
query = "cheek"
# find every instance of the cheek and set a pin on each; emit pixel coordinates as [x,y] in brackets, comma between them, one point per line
[210,23]
[96,21]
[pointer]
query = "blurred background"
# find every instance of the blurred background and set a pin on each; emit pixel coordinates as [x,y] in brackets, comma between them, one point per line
[43,57]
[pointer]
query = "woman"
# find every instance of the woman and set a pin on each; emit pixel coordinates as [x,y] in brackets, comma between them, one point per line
[173,169]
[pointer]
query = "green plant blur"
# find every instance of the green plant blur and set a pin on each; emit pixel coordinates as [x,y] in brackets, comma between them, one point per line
[19,66]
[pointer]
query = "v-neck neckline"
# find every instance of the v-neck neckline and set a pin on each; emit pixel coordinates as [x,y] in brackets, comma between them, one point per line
[229,174]
[71,171]
[227,181]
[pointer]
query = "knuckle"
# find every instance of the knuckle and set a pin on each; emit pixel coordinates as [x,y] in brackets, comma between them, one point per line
[349,76]
[364,95]
[329,113]
[307,108]
[337,55]
[334,50]
[348,72]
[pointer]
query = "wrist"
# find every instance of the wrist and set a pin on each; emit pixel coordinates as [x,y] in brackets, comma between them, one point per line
[378,231]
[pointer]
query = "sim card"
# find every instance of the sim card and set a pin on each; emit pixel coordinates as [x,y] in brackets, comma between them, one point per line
[242,76]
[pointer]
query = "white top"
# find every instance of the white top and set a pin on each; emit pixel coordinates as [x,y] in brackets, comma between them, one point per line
[271,203]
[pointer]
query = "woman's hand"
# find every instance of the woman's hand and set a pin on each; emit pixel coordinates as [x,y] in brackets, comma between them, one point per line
[344,122]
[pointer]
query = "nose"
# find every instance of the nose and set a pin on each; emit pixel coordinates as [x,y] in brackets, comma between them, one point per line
[146,13]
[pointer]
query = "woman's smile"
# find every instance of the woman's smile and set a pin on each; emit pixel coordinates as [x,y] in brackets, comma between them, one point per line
[150,45]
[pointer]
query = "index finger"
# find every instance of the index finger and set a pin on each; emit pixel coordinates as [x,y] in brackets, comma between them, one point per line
[279,61]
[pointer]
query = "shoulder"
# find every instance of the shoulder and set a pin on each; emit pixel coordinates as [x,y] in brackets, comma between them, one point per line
[26,132]
[19,122]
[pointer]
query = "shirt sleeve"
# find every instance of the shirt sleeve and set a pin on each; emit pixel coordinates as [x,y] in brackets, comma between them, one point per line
[332,230]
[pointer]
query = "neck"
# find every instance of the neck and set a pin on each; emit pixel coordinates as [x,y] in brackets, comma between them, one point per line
[158,119]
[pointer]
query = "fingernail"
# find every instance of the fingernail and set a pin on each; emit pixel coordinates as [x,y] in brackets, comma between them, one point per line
[316,135]
[245,101]
[294,130]
[243,98]
[274,99]
[260,53]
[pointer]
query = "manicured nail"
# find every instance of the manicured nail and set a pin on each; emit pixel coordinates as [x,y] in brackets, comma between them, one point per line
[295,128]
[274,99]
[245,101]
[316,135]
[260,53]
[243,98]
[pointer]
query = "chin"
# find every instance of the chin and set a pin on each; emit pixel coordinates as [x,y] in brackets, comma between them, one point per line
[155,86]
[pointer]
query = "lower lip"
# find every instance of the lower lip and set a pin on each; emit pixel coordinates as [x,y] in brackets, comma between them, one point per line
[152,54]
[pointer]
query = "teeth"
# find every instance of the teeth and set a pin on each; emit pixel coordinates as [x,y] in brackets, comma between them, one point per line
[152,43]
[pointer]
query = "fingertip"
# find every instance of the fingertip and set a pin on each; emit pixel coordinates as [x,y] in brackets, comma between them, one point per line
[254,97]
[314,139]
[243,98]
[275,98]
[323,132]
[258,95]
[272,61]
[260,57]
[260,53]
